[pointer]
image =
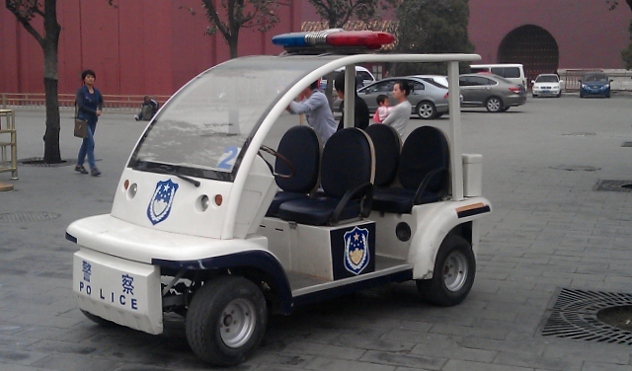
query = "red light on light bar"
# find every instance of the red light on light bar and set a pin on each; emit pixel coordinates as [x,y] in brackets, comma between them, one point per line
[369,39]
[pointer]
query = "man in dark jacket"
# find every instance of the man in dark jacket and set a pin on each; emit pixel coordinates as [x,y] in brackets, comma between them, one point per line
[361,109]
[147,110]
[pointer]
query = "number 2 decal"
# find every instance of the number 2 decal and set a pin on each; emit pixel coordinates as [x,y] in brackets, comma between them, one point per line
[227,160]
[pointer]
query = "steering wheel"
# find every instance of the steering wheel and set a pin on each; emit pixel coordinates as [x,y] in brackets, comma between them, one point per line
[280,157]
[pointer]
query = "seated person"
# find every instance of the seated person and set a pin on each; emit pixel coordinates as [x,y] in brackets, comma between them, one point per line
[147,110]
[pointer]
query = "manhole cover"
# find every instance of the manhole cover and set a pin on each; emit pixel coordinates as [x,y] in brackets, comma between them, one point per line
[589,315]
[27,216]
[39,162]
[614,185]
[580,134]
[575,168]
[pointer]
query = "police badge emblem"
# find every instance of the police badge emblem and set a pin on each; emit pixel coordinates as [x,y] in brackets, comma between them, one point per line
[161,202]
[356,255]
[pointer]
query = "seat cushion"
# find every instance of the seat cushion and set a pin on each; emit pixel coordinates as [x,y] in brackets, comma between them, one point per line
[399,200]
[316,211]
[281,197]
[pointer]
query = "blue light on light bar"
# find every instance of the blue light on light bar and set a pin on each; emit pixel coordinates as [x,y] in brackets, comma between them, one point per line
[335,37]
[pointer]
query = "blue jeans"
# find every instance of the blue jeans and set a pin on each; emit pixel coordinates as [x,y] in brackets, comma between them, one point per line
[87,146]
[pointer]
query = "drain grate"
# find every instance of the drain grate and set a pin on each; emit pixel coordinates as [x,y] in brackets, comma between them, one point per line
[39,162]
[626,144]
[575,316]
[614,185]
[28,216]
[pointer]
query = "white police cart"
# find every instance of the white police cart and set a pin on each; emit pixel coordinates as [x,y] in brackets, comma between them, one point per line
[230,209]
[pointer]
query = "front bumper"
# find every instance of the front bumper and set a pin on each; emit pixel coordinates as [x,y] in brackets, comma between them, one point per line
[118,290]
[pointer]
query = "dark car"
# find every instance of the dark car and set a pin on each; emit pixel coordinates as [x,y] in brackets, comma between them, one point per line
[594,84]
[493,92]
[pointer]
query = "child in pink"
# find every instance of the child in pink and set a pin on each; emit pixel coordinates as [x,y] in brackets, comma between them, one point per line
[382,109]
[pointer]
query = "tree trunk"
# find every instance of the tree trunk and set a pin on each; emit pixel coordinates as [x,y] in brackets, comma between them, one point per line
[50,48]
[52,154]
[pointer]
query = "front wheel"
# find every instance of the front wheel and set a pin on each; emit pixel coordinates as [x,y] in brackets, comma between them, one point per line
[426,110]
[226,320]
[494,104]
[454,271]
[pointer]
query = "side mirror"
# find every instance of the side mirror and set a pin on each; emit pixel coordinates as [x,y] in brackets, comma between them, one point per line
[562,81]
[532,81]
[611,80]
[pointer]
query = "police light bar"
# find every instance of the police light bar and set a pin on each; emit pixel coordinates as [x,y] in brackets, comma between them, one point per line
[334,37]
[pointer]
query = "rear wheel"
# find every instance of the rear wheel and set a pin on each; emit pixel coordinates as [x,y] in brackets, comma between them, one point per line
[226,320]
[454,271]
[494,104]
[426,110]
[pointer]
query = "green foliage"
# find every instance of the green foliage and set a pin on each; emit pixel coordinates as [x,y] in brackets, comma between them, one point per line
[432,26]
[338,12]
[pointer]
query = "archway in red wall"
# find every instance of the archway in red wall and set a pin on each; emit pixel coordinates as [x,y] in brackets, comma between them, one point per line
[534,47]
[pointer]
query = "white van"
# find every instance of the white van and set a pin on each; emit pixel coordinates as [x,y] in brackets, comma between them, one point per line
[364,74]
[512,72]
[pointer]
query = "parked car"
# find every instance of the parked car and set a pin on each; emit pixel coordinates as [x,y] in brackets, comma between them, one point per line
[493,92]
[594,84]
[429,100]
[364,77]
[443,80]
[546,84]
[513,72]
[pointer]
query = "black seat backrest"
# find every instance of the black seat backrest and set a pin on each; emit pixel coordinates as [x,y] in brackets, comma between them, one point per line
[387,144]
[348,162]
[425,150]
[301,146]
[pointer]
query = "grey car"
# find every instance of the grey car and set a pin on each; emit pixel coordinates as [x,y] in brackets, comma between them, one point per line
[493,92]
[428,99]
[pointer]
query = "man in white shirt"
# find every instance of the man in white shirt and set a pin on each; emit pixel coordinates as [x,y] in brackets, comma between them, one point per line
[399,115]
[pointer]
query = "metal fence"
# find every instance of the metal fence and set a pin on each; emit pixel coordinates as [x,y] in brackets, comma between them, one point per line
[131,102]
[621,79]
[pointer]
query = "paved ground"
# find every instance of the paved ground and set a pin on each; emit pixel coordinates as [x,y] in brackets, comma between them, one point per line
[550,230]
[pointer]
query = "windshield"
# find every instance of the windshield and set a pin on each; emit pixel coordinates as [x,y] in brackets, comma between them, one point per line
[203,128]
[595,78]
[546,78]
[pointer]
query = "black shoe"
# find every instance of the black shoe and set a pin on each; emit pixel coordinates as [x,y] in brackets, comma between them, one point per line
[95,172]
[80,169]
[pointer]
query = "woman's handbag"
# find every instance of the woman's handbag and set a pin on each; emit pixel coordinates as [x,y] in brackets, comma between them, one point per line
[81,126]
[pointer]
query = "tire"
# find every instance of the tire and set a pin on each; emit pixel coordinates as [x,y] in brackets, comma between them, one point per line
[98,320]
[426,110]
[494,104]
[226,320]
[454,271]
[581,95]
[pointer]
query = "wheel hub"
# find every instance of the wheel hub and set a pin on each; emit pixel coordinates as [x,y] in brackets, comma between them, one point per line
[237,323]
[455,271]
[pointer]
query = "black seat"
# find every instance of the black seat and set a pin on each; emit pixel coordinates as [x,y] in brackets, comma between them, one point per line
[300,145]
[347,173]
[387,144]
[423,173]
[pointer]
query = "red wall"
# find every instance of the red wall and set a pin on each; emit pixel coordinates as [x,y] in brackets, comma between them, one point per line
[588,35]
[154,47]
[135,49]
